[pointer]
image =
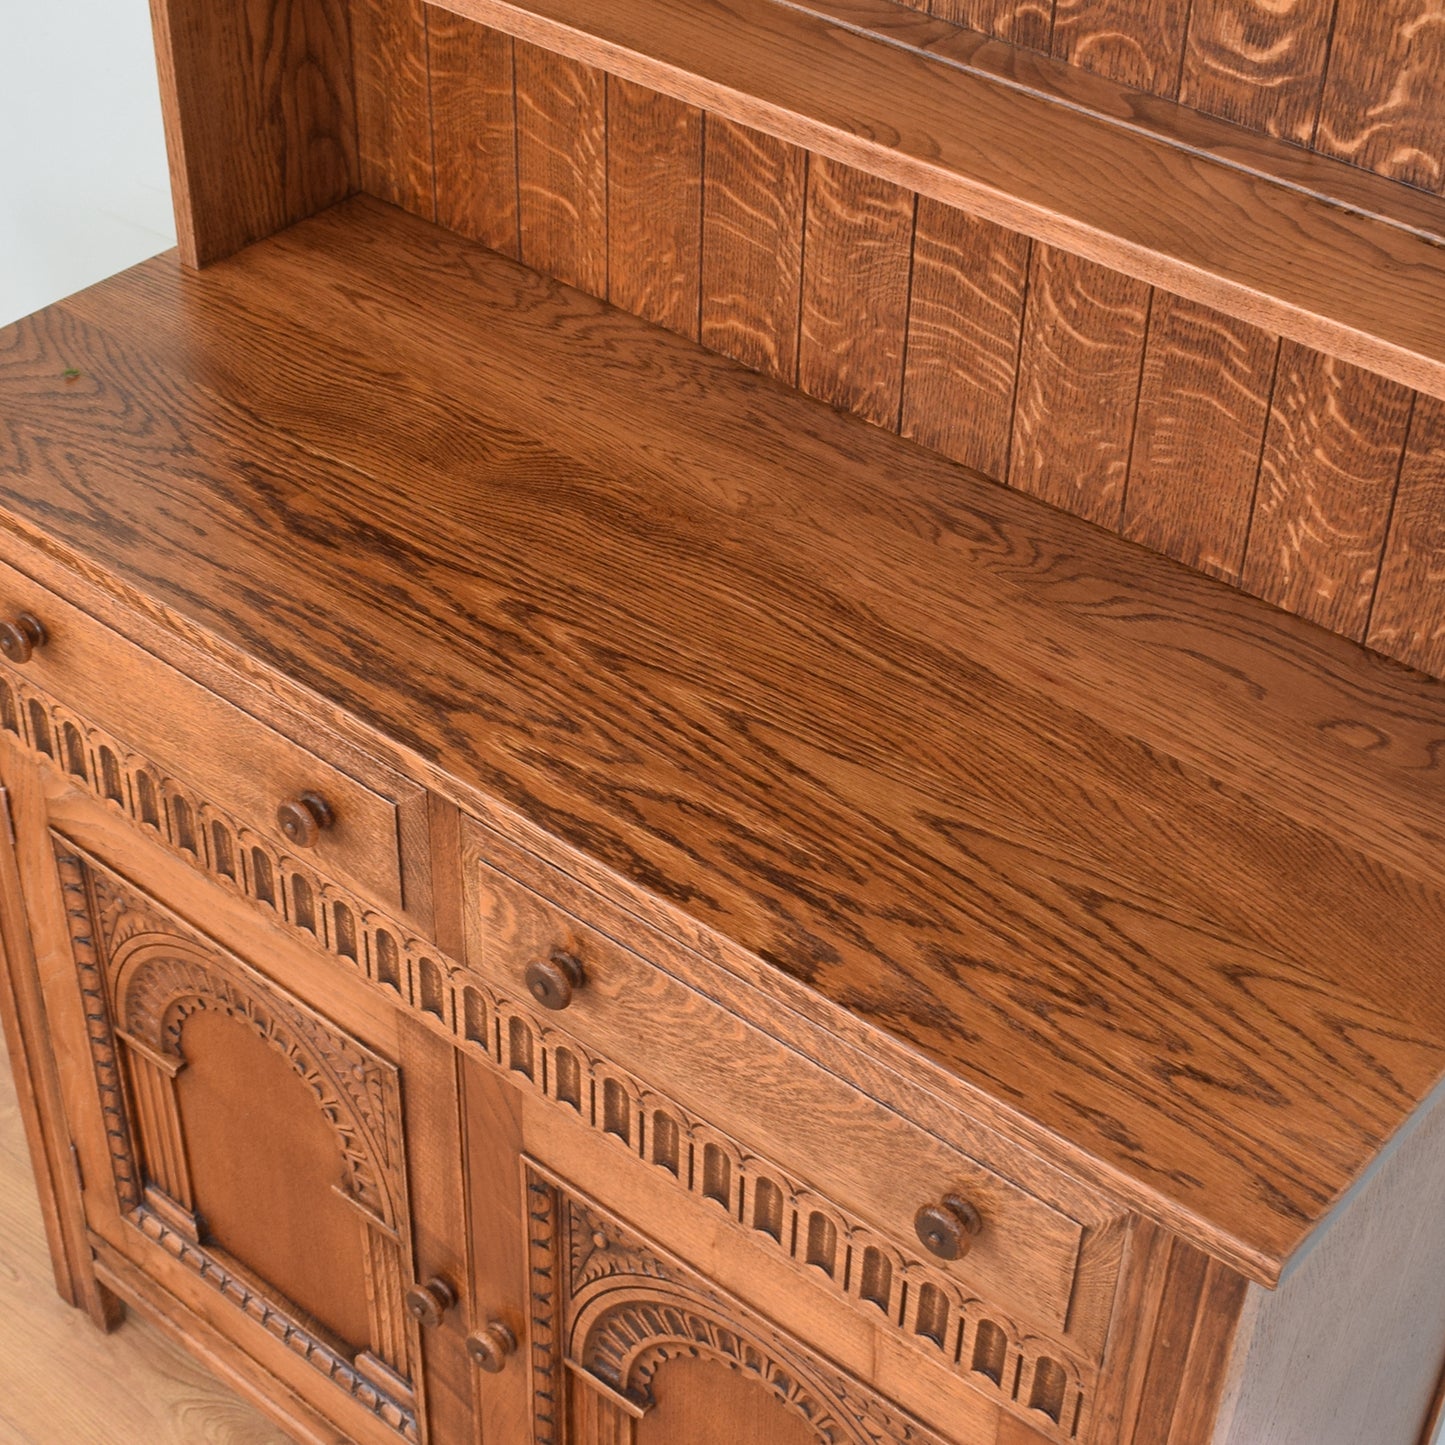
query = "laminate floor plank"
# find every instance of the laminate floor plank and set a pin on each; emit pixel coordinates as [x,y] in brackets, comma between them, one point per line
[64,1383]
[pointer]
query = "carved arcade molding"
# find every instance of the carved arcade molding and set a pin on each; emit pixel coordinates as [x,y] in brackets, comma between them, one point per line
[142,974]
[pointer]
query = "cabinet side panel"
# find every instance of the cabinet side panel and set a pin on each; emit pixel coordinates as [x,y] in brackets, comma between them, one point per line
[1350,1347]
[260,116]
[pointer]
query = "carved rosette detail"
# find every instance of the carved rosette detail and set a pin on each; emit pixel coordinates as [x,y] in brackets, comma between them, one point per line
[1036,1377]
[628,1311]
[142,974]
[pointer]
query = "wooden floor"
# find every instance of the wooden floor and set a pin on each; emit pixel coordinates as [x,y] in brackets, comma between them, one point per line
[64,1383]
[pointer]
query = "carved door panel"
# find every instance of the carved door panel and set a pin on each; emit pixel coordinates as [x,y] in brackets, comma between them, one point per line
[632,1347]
[244,1142]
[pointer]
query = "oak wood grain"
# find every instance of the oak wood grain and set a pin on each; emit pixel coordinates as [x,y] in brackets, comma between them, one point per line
[1020,22]
[1203,405]
[562,167]
[1408,617]
[474,129]
[1204,1047]
[393,102]
[1331,462]
[654,206]
[752,247]
[1136,42]
[1262,65]
[1078,385]
[1382,106]
[965,321]
[260,116]
[857,243]
[1173,217]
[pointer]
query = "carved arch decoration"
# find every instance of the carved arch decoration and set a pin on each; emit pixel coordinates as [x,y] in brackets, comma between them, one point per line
[619,1311]
[142,974]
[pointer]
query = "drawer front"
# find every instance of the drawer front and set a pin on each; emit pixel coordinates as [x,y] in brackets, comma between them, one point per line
[833,1141]
[231,761]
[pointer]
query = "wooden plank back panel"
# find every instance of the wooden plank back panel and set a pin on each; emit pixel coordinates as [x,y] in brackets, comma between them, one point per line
[1136,42]
[1145,413]
[393,105]
[654,206]
[752,245]
[1020,22]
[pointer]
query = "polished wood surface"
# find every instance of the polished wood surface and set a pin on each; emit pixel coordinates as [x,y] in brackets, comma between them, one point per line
[1182,968]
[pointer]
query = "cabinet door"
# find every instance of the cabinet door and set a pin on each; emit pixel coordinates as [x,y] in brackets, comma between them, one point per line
[255,1128]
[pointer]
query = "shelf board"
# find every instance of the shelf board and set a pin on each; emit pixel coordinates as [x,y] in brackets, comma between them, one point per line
[1307,247]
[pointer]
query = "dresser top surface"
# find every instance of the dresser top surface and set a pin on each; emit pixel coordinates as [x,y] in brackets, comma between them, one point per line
[1146,862]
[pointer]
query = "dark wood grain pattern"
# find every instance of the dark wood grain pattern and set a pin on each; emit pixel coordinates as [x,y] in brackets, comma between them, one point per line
[1261,65]
[1331,462]
[1020,22]
[1190,220]
[393,102]
[1203,407]
[260,116]
[1383,106]
[562,167]
[474,119]
[858,243]
[1136,42]
[1408,619]
[964,325]
[752,247]
[1083,345]
[654,206]
[1133,861]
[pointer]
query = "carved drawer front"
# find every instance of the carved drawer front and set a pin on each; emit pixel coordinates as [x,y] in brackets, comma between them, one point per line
[982,1230]
[246,801]
[256,1153]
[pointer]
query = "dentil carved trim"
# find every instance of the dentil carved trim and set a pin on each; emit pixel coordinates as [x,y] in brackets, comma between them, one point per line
[1038,1378]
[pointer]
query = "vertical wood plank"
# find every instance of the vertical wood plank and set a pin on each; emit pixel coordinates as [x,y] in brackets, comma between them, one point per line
[1020,22]
[1169,1351]
[562,167]
[752,247]
[260,116]
[1136,42]
[857,248]
[1384,99]
[964,325]
[1203,408]
[1258,62]
[393,103]
[1408,620]
[1079,373]
[1205,1373]
[1331,460]
[474,119]
[654,206]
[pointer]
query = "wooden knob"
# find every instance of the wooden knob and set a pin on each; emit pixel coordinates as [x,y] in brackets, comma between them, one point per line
[947,1229]
[491,1346]
[428,1303]
[302,819]
[553,980]
[20,638]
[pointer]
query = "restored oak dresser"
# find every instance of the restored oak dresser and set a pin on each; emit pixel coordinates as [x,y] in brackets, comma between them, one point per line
[575,869]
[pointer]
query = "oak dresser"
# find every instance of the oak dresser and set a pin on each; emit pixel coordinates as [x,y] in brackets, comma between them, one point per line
[721,724]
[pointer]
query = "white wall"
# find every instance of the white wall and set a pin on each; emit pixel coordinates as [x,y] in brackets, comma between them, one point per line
[83,185]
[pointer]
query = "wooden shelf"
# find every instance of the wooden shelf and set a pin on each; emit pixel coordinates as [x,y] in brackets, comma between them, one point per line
[1142,872]
[1349,263]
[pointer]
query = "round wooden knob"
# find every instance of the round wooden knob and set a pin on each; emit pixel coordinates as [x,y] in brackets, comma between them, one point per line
[947,1229]
[428,1303]
[20,638]
[553,980]
[302,819]
[491,1346]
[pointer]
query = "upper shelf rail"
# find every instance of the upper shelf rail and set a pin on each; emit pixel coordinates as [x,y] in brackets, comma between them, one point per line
[1313,249]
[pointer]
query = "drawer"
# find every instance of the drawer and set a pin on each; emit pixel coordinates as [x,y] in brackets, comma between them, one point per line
[210,755]
[782,1109]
